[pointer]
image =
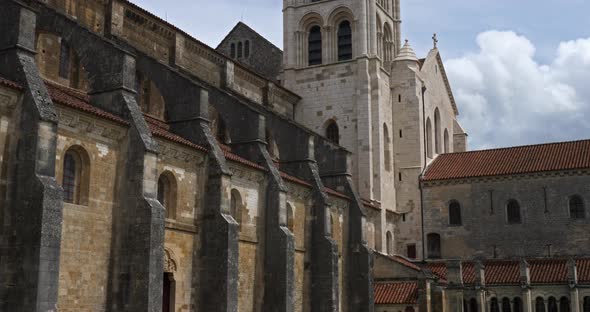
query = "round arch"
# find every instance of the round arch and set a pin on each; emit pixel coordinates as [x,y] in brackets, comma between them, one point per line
[236,206]
[69,70]
[387,44]
[337,17]
[428,136]
[149,98]
[437,131]
[75,177]
[167,193]
[309,20]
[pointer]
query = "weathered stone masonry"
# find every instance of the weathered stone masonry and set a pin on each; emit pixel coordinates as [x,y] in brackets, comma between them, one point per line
[111,57]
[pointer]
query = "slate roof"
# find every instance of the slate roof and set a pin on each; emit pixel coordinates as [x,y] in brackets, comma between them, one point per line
[396,293]
[508,161]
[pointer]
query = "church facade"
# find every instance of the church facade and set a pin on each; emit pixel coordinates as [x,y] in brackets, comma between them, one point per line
[143,170]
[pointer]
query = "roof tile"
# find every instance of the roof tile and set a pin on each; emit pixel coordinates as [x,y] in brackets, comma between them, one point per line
[546,271]
[513,160]
[396,293]
[583,267]
[11,84]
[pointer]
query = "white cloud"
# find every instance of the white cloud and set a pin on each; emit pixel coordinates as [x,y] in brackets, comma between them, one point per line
[506,98]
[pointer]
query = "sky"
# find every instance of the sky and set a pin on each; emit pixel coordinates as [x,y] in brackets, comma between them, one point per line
[518,69]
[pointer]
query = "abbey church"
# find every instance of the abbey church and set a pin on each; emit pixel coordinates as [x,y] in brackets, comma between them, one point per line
[143,170]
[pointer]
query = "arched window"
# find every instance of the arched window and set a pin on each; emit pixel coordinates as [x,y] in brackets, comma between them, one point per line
[76,176]
[564,304]
[386,148]
[455,213]
[167,193]
[473,305]
[379,37]
[446,139]
[247,48]
[235,207]
[433,244]
[494,307]
[314,50]
[222,134]
[149,98]
[517,305]
[513,212]
[552,304]
[387,43]
[465,305]
[428,135]
[506,304]
[70,176]
[577,210]
[332,132]
[232,50]
[389,239]
[586,307]
[437,131]
[290,218]
[64,60]
[344,41]
[539,304]
[240,49]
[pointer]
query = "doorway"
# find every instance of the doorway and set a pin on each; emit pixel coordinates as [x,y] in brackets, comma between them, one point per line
[168,294]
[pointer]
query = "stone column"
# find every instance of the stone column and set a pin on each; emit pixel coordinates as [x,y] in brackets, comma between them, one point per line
[480,284]
[455,286]
[30,240]
[572,276]
[525,283]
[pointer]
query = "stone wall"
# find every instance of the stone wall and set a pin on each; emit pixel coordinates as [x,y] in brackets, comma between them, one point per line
[485,232]
[419,89]
[117,243]
[87,226]
[263,56]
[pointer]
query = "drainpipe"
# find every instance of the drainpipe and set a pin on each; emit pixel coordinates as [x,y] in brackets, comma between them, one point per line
[422,173]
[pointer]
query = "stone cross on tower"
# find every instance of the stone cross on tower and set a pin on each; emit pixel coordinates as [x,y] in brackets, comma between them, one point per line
[434,40]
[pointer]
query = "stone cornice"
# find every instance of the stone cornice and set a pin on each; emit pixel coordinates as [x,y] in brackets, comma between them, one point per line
[516,177]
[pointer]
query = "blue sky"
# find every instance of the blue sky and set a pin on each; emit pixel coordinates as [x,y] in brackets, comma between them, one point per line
[518,68]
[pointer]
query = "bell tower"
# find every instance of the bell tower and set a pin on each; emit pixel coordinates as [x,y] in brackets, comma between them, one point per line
[338,56]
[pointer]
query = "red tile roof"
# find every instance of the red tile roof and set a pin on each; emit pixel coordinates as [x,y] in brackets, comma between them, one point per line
[294,179]
[507,272]
[396,293]
[75,99]
[468,273]
[438,268]
[405,262]
[80,100]
[11,84]
[502,273]
[513,160]
[583,268]
[547,271]
[371,204]
[496,272]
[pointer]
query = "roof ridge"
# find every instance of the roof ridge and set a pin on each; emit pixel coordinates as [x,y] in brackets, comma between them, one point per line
[517,147]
